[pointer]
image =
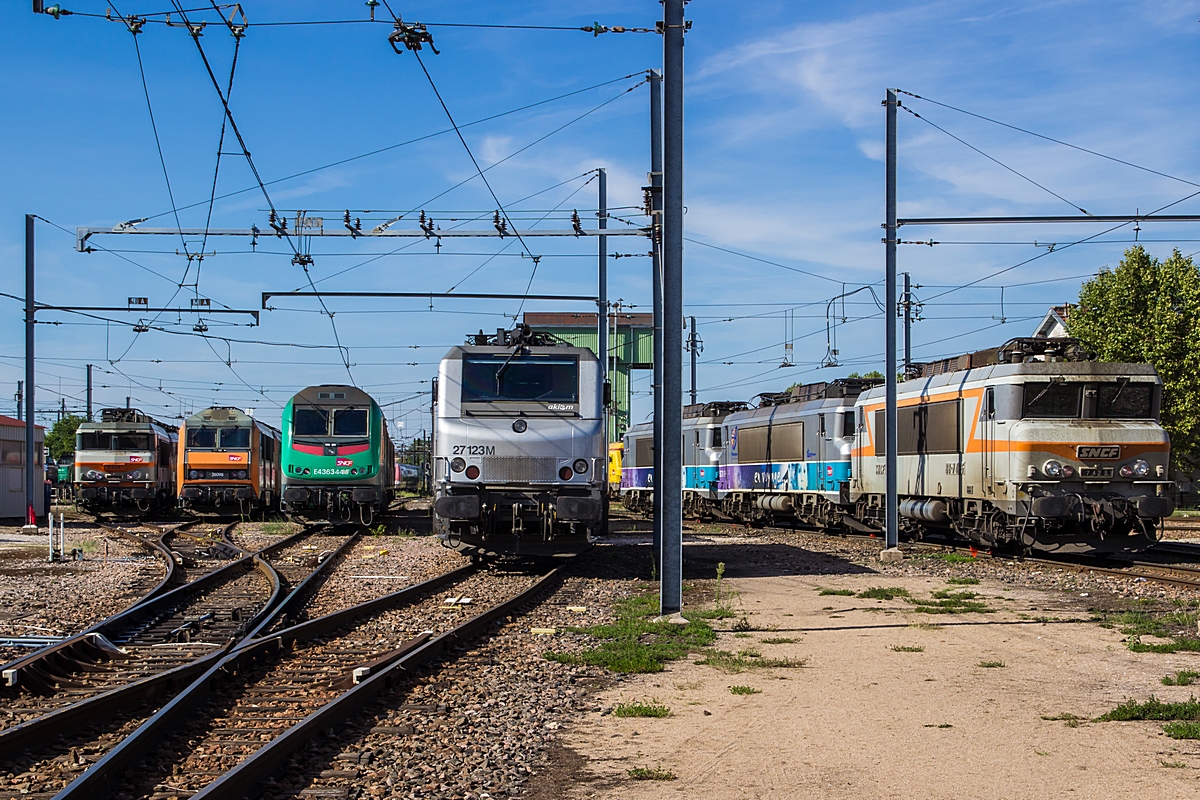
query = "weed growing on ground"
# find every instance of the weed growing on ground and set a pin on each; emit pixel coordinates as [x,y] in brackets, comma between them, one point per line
[641,710]
[90,546]
[744,690]
[943,725]
[948,602]
[992,664]
[689,685]
[778,640]
[734,663]
[741,636]
[1175,626]
[1182,730]
[908,648]
[1181,678]
[837,592]
[1153,709]
[742,625]
[883,593]
[963,581]
[651,774]
[956,558]
[1070,720]
[720,574]
[922,626]
[275,528]
[1173,764]
[635,642]
[378,530]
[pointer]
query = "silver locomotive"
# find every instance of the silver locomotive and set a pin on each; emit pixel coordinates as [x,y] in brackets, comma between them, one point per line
[1029,445]
[520,456]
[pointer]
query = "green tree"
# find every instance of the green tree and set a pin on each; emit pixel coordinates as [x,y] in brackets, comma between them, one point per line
[872,374]
[1148,311]
[61,438]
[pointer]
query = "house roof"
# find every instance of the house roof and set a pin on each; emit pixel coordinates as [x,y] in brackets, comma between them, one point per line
[16,423]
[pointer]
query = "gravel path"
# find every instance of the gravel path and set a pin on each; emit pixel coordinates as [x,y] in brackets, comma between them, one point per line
[57,599]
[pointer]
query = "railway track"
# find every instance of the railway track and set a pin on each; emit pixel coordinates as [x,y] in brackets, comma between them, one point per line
[64,741]
[252,709]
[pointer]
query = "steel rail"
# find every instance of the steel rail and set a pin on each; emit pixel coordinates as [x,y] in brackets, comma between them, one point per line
[93,642]
[243,780]
[34,734]
[99,779]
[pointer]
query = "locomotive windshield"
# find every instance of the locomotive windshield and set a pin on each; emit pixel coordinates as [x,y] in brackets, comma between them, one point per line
[235,437]
[310,422]
[113,441]
[1052,399]
[1125,400]
[93,441]
[201,437]
[350,422]
[492,378]
[315,422]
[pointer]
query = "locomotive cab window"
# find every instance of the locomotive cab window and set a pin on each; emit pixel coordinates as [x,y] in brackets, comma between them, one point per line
[235,437]
[499,378]
[310,422]
[93,441]
[716,437]
[350,422]
[848,426]
[202,437]
[1062,400]
[133,441]
[1125,400]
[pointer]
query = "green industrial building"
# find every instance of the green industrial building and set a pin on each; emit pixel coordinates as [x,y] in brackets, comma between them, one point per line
[630,347]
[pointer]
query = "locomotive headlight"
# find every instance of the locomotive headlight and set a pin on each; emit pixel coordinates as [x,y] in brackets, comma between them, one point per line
[1140,469]
[520,426]
[565,473]
[136,475]
[1127,471]
[472,472]
[194,475]
[580,466]
[458,465]
[1052,468]
[93,475]
[1068,471]
[241,473]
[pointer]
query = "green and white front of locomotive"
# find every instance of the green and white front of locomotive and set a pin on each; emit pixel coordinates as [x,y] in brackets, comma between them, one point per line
[519,440]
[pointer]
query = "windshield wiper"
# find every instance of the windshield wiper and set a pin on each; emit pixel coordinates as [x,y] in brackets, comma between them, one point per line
[504,367]
[1053,382]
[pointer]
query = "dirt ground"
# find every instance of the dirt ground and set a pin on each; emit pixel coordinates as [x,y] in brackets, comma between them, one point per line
[861,719]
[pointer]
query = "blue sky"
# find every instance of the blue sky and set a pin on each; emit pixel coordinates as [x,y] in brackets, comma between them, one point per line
[784,143]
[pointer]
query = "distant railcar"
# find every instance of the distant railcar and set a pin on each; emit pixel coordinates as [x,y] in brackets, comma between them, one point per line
[519,448]
[126,460]
[337,459]
[229,462]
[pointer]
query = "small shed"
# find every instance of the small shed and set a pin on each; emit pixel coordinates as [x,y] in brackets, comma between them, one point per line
[12,465]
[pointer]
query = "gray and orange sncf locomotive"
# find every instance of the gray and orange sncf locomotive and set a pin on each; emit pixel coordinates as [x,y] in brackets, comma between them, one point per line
[1031,445]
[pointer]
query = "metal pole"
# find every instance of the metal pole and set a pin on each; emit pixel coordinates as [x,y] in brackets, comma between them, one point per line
[692,350]
[907,325]
[671,480]
[20,401]
[602,302]
[656,168]
[892,520]
[31,484]
[89,392]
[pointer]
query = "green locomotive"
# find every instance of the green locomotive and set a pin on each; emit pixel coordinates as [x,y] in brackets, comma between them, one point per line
[338,462]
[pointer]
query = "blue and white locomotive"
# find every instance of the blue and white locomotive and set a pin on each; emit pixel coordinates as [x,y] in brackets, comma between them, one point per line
[703,450]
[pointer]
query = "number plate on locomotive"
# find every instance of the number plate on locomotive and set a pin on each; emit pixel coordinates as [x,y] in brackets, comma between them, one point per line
[1096,472]
[1090,452]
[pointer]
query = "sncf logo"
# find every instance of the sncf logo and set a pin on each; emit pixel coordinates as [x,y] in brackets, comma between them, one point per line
[344,462]
[135,459]
[235,456]
[1087,452]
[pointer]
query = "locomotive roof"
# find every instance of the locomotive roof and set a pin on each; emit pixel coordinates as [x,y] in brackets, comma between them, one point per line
[459,350]
[1072,371]
[125,419]
[792,409]
[333,394]
[225,415]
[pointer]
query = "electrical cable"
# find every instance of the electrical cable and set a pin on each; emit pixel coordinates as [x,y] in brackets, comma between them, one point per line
[1050,139]
[996,161]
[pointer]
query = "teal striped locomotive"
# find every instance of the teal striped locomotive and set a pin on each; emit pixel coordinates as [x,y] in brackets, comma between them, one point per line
[337,461]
